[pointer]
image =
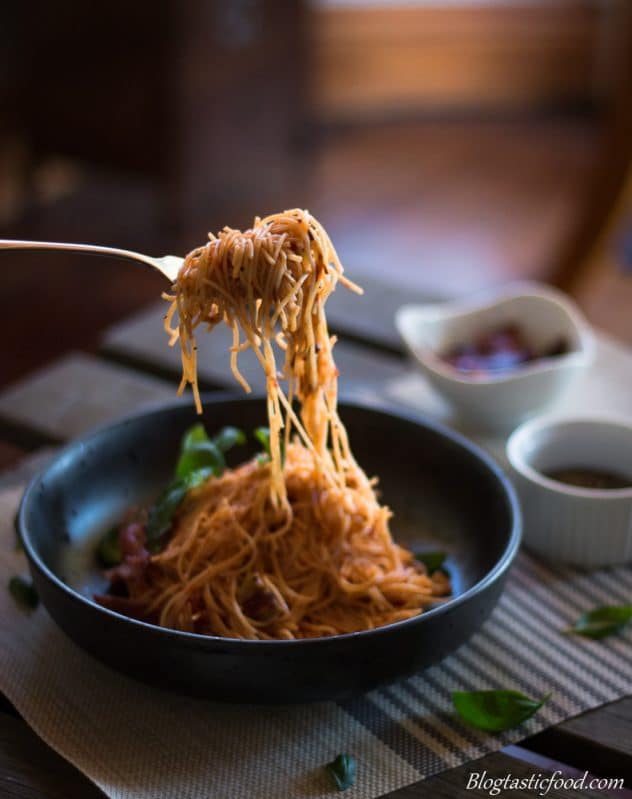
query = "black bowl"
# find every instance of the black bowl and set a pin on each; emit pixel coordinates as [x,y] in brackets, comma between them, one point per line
[444,491]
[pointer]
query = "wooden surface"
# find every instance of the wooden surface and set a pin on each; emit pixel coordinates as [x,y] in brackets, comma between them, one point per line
[607,731]
[29,769]
[181,94]
[450,207]
[80,392]
[603,283]
[445,207]
[381,371]
[377,60]
[142,340]
[596,264]
[70,396]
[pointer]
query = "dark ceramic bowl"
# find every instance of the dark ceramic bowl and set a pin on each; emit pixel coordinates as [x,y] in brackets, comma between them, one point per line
[444,491]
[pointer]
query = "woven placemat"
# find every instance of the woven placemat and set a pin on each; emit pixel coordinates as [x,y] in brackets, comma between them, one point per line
[136,741]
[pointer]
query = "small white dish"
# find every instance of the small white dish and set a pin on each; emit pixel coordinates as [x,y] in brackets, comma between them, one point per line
[499,401]
[565,523]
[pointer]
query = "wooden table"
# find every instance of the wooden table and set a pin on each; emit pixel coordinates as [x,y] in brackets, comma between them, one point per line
[136,369]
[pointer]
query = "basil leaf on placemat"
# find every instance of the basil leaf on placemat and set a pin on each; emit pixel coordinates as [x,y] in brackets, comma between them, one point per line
[495,711]
[603,621]
[433,561]
[24,593]
[342,771]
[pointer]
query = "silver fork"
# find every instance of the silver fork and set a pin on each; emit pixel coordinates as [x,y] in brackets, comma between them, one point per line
[168,265]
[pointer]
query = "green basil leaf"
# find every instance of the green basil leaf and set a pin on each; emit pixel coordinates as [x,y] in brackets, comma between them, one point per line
[194,435]
[196,478]
[433,561]
[23,592]
[602,621]
[200,458]
[163,510]
[200,455]
[262,434]
[342,771]
[109,549]
[495,711]
[229,437]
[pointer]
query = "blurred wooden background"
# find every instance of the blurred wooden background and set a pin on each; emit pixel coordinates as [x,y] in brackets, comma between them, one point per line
[412,58]
[446,146]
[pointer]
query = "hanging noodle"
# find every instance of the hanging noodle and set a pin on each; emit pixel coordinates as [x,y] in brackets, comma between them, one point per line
[270,284]
[298,546]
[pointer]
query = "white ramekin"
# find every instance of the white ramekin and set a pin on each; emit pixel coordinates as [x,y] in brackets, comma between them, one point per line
[499,401]
[563,523]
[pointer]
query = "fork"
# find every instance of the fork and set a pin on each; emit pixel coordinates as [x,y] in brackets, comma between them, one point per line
[168,265]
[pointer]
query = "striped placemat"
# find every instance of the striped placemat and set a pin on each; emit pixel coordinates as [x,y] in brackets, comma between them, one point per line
[137,741]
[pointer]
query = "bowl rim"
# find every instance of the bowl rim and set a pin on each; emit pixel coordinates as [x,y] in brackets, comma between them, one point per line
[503,563]
[485,301]
[526,430]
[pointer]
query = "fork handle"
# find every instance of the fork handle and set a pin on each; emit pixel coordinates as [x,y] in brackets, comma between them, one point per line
[89,249]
